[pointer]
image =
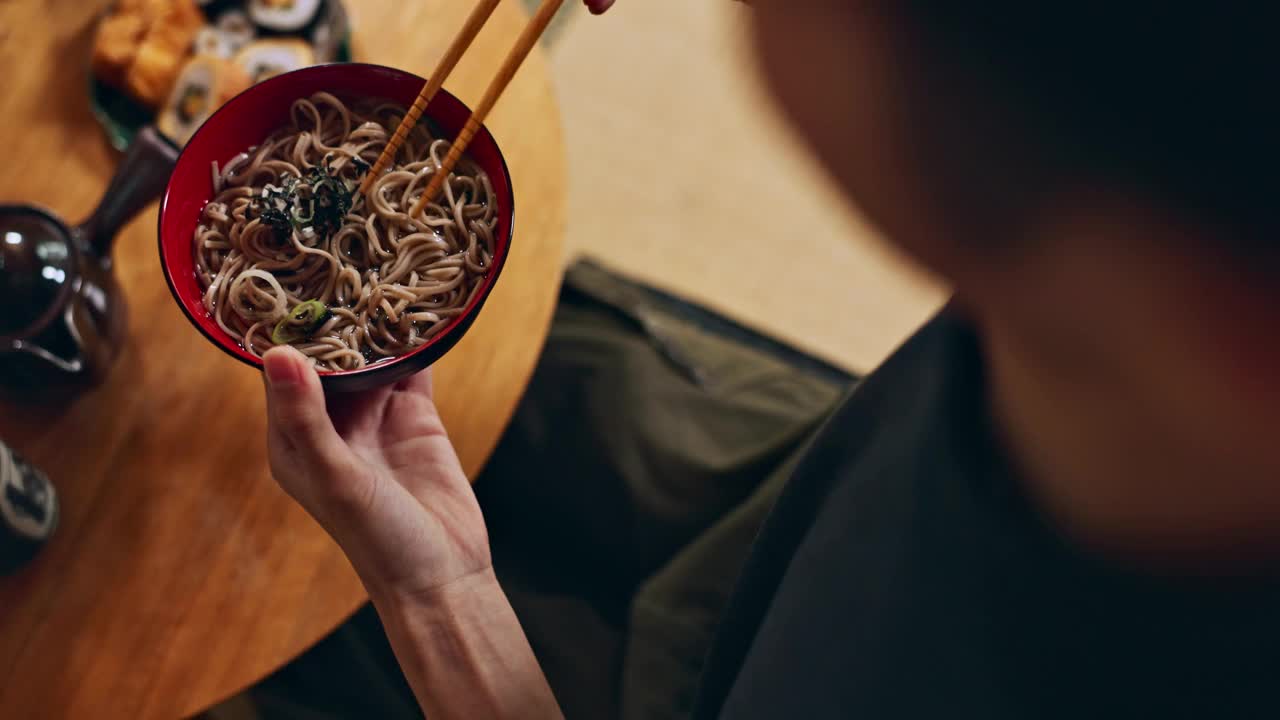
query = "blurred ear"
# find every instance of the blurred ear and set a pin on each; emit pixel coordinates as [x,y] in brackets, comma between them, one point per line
[1095,275]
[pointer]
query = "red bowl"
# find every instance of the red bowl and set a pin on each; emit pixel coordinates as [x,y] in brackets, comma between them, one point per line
[252,115]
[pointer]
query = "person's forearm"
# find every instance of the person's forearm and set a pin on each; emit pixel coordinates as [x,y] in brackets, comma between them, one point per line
[464,653]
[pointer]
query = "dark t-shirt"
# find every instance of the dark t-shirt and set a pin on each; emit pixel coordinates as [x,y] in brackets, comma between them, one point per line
[903,575]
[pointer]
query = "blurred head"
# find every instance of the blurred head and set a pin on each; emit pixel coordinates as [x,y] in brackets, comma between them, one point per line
[1095,179]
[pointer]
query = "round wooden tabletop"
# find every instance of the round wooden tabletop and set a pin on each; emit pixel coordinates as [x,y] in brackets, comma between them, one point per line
[180,573]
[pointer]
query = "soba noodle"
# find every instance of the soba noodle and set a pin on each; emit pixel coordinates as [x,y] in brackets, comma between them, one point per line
[289,251]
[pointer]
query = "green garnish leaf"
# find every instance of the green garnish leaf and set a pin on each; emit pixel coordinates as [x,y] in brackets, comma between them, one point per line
[301,322]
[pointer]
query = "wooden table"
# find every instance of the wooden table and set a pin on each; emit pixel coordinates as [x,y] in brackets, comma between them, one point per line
[180,573]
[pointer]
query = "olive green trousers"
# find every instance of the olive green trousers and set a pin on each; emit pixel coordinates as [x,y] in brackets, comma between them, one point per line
[621,503]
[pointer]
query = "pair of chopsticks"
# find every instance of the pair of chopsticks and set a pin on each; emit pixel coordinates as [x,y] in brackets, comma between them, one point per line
[524,45]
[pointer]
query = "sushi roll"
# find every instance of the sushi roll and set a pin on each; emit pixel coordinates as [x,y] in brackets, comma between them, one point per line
[285,16]
[268,58]
[235,29]
[203,85]
[209,41]
[329,31]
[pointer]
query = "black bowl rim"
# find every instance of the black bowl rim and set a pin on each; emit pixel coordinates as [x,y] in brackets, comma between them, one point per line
[351,378]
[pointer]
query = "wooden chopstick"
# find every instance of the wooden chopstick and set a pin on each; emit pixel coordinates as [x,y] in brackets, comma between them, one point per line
[524,45]
[479,16]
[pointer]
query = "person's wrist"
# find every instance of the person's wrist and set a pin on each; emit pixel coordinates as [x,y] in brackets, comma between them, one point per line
[459,596]
[463,650]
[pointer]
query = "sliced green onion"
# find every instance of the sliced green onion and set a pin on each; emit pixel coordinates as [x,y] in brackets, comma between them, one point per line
[300,323]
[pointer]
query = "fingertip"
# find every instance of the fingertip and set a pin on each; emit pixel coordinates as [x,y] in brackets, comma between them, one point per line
[295,398]
[284,367]
[598,6]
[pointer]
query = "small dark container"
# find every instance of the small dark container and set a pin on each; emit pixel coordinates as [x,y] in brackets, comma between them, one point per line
[28,511]
[63,318]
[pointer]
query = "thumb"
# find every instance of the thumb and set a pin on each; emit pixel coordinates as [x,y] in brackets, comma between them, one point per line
[296,406]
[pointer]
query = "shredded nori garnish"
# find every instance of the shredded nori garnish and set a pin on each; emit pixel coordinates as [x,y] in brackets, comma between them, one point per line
[319,200]
[278,221]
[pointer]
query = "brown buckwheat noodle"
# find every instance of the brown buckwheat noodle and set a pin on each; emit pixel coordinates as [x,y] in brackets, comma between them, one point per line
[388,282]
